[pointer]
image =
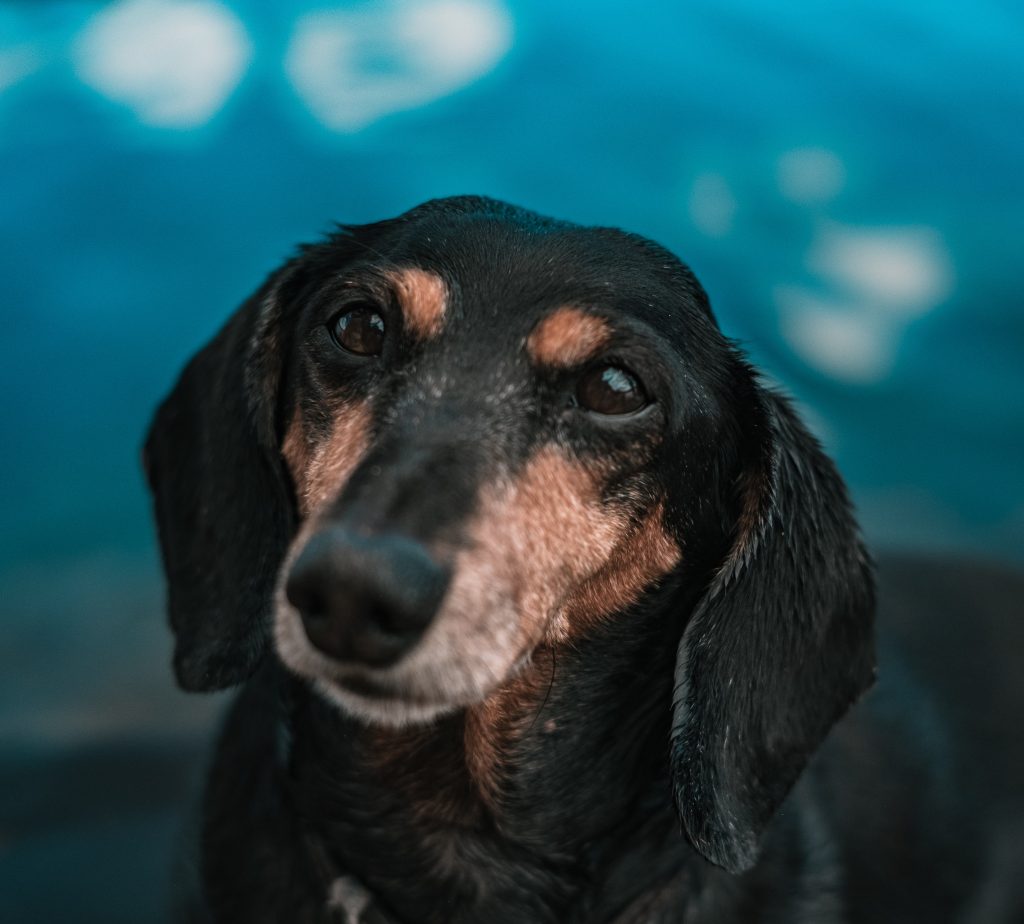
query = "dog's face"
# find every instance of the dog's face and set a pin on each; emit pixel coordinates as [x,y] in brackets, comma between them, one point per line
[481,422]
[430,445]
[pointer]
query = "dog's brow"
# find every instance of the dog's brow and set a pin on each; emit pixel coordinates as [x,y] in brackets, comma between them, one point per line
[423,297]
[567,337]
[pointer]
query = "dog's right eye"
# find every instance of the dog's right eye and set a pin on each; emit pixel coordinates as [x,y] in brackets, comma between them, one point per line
[611,390]
[359,330]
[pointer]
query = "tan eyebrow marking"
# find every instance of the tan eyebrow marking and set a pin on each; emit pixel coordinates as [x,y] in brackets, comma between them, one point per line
[567,337]
[424,299]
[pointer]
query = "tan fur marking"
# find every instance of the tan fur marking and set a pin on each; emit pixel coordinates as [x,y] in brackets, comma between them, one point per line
[424,300]
[320,471]
[567,561]
[541,535]
[534,538]
[493,725]
[482,742]
[567,338]
[295,448]
[645,554]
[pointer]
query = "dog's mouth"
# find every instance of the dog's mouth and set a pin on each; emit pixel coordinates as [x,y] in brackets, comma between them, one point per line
[379,703]
[416,694]
[385,693]
[398,697]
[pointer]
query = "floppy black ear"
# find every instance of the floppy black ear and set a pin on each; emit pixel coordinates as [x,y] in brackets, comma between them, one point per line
[778,647]
[223,505]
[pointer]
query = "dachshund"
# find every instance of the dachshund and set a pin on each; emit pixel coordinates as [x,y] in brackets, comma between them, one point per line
[542,605]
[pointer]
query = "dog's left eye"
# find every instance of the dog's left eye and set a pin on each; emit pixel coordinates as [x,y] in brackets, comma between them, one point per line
[359,330]
[611,390]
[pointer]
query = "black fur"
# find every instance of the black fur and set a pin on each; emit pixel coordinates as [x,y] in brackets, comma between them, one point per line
[716,688]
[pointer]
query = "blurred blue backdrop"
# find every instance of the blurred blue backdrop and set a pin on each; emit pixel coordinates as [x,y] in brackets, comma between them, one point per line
[845,179]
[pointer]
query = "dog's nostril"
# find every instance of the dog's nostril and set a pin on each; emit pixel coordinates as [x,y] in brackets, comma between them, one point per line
[305,595]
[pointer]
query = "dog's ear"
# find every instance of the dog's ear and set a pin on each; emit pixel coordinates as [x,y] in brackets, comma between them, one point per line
[224,508]
[779,645]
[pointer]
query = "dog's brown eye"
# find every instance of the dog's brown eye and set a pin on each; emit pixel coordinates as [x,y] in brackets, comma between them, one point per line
[610,390]
[359,330]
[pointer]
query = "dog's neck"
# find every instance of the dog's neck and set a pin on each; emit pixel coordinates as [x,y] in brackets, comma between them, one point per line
[548,802]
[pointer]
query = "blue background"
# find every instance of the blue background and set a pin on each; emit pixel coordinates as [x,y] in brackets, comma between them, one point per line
[846,181]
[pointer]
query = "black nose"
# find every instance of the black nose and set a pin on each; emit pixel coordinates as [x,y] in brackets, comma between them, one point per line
[365,599]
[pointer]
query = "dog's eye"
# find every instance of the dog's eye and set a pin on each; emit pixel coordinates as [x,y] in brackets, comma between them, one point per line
[359,330]
[610,390]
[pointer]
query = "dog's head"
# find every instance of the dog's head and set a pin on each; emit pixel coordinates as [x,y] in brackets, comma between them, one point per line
[429,445]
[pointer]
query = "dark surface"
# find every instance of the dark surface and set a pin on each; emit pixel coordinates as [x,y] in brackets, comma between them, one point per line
[89,833]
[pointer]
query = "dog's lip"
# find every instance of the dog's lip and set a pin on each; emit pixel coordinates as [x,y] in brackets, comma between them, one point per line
[373,689]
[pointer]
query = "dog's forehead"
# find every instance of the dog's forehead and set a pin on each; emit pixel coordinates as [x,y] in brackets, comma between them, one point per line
[503,276]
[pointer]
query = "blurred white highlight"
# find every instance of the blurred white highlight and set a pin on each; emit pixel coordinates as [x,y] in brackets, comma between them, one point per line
[810,175]
[173,63]
[907,269]
[834,337]
[876,281]
[712,205]
[353,66]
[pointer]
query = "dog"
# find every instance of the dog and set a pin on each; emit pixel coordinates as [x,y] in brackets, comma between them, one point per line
[543,604]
